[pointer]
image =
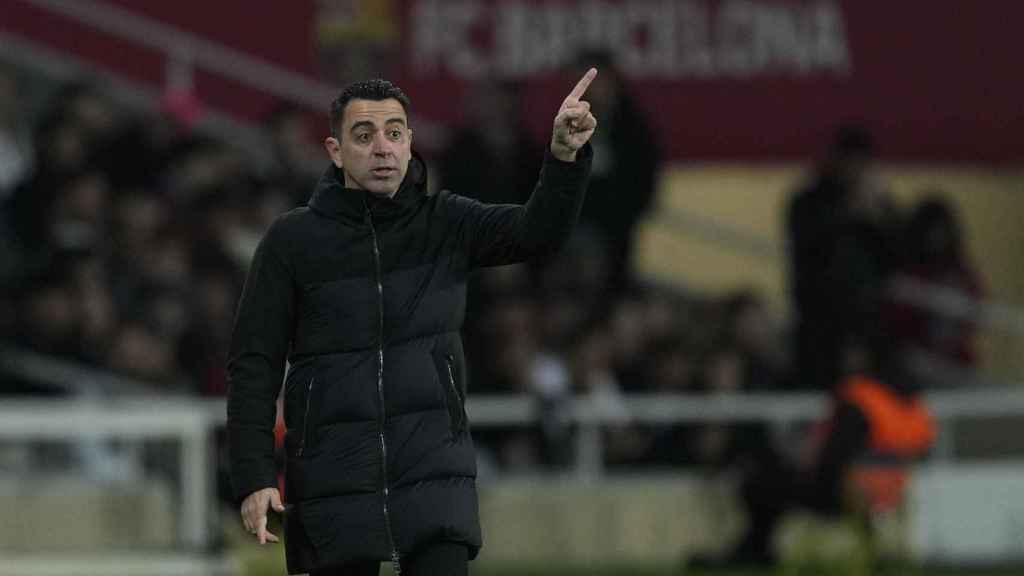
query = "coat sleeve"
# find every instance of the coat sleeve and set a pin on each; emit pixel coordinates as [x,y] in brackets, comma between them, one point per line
[497,234]
[259,346]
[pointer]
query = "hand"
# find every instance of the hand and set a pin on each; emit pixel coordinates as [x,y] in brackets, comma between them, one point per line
[254,513]
[574,124]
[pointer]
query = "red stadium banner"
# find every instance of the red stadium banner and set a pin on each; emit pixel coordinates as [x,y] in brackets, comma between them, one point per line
[719,79]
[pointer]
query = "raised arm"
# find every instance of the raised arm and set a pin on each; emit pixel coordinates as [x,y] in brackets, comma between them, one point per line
[504,234]
[574,124]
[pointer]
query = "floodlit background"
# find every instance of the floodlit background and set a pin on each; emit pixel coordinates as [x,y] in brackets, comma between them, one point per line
[783,192]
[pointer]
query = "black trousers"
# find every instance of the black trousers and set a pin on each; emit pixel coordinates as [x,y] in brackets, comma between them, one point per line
[438,559]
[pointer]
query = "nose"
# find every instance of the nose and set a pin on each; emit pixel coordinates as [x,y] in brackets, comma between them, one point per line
[381,146]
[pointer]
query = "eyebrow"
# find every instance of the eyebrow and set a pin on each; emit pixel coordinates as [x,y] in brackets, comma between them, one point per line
[368,124]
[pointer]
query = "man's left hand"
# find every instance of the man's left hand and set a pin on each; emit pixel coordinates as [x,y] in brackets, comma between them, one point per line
[574,124]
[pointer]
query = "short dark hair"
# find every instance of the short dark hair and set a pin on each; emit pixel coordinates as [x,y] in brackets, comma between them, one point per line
[376,89]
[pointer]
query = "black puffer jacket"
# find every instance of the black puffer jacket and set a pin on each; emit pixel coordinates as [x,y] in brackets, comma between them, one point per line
[365,297]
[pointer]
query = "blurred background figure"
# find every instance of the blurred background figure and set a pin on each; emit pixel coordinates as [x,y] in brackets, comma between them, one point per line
[855,463]
[860,266]
[752,328]
[491,156]
[15,138]
[622,184]
[933,254]
[296,164]
[48,319]
[830,224]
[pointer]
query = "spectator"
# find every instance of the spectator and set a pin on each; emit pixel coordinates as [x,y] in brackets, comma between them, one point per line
[61,151]
[750,326]
[77,218]
[84,104]
[15,141]
[204,347]
[862,262]
[519,366]
[226,223]
[934,255]
[492,157]
[198,165]
[98,314]
[295,165]
[574,283]
[590,362]
[673,371]
[815,219]
[736,446]
[48,318]
[631,342]
[857,458]
[139,351]
[622,184]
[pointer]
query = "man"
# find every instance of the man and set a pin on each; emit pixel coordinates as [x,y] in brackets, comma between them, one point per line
[363,292]
[858,460]
[815,221]
[627,159]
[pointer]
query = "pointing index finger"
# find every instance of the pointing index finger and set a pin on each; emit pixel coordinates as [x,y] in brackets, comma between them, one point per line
[583,84]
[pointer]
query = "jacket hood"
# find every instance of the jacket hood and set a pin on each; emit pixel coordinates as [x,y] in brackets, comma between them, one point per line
[332,199]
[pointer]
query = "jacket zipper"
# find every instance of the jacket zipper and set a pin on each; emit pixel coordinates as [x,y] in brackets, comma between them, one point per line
[382,414]
[305,418]
[455,389]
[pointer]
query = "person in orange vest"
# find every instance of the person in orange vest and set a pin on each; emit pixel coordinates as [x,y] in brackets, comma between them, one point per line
[878,427]
[858,458]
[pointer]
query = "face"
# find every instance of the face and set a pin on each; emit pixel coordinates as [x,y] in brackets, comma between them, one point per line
[373,146]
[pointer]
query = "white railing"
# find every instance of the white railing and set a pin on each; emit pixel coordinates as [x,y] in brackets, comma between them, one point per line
[189,422]
[957,304]
[62,375]
[193,421]
[62,66]
[185,50]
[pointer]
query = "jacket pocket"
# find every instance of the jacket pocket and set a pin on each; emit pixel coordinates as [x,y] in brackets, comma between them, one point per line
[452,394]
[304,438]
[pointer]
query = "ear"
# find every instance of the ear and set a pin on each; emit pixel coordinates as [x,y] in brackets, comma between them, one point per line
[333,147]
[410,136]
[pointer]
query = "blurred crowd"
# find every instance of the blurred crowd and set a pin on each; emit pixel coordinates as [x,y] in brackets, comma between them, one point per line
[125,237]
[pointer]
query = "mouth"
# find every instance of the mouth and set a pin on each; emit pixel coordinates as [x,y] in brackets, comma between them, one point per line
[384,172]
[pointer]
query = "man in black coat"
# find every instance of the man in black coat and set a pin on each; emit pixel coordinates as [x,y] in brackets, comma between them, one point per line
[816,221]
[363,293]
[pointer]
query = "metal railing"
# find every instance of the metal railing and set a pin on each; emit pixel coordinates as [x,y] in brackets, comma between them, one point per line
[65,376]
[50,63]
[192,422]
[185,50]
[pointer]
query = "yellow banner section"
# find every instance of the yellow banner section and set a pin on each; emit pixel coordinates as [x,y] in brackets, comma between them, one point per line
[720,227]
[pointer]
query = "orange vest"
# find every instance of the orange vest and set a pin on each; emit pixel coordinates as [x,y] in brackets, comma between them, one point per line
[900,430]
